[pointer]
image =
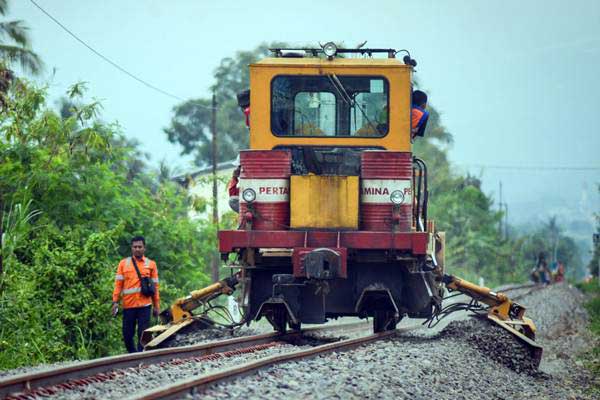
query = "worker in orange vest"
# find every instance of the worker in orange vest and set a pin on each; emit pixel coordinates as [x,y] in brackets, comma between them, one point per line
[136,305]
[419,114]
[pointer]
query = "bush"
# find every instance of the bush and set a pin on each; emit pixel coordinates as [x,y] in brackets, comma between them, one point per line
[71,197]
[592,358]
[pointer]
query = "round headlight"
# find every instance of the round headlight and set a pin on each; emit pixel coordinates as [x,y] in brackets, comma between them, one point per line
[249,195]
[397,197]
[330,49]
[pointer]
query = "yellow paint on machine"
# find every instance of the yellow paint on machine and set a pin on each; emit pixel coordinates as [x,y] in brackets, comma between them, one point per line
[397,74]
[324,201]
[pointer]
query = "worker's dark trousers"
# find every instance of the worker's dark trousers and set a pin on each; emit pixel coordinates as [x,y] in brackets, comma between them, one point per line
[139,316]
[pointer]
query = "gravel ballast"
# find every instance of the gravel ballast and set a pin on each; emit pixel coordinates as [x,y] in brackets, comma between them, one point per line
[464,359]
[441,365]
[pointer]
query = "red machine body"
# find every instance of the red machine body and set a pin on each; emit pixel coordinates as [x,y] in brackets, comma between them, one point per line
[385,174]
[267,175]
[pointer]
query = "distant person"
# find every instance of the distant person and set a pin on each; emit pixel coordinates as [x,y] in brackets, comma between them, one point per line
[243,99]
[536,274]
[547,275]
[233,190]
[136,304]
[542,269]
[560,273]
[419,114]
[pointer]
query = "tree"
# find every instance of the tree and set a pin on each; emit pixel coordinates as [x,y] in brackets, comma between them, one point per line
[190,125]
[71,205]
[15,44]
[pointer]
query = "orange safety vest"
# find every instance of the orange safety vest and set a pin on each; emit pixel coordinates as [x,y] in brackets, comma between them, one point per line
[127,283]
[419,119]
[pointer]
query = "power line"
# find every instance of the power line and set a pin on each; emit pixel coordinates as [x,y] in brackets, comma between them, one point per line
[108,60]
[531,168]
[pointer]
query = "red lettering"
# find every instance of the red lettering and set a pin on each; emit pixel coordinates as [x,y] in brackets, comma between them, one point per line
[261,190]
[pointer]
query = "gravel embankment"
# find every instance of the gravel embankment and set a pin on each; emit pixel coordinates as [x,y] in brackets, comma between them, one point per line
[453,364]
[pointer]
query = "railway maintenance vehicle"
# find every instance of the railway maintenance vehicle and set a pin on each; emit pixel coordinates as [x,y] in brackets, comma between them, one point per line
[333,203]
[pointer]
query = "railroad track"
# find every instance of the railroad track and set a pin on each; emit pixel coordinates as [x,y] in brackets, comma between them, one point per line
[50,382]
[533,287]
[197,384]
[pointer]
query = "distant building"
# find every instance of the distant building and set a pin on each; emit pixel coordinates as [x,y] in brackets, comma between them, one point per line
[199,185]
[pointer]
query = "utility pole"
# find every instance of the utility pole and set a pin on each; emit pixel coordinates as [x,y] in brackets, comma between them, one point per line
[500,207]
[556,238]
[596,241]
[505,221]
[215,202]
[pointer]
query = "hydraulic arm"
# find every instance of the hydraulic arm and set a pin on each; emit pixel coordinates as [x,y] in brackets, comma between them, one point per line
[180,315]
[502,311]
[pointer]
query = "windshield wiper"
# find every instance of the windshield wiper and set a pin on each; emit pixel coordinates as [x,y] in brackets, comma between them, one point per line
[337,84]
[343,95]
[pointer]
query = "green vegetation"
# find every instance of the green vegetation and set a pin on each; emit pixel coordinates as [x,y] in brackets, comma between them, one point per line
[72,194]
[592,290]
[475,246]
[592,358]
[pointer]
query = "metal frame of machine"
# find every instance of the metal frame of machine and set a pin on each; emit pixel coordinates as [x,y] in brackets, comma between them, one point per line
[383,266]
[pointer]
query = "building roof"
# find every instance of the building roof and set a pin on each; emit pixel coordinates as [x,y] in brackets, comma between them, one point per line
[183,179]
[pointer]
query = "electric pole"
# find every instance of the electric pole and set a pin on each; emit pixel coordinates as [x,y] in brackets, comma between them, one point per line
[505,221]
[215,202]
[500,230]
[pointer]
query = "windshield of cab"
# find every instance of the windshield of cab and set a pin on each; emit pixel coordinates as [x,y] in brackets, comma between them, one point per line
[329,105]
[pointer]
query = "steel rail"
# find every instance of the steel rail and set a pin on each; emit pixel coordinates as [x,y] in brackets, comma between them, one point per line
[533,287]
[33,380]
[202,382]
[517,287]
[28,381]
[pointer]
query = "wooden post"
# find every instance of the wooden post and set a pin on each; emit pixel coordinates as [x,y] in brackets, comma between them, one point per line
[215,202]
[500,231]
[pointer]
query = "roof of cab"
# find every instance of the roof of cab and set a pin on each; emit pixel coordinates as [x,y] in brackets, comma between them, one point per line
[323,62]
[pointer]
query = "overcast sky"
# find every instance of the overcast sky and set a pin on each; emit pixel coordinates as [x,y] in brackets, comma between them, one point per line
[517,82]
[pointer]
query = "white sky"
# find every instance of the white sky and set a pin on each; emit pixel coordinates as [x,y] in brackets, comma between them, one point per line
[517,82]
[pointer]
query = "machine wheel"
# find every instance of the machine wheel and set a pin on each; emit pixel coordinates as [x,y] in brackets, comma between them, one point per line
[383,320]
[279,320]
[295,327]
